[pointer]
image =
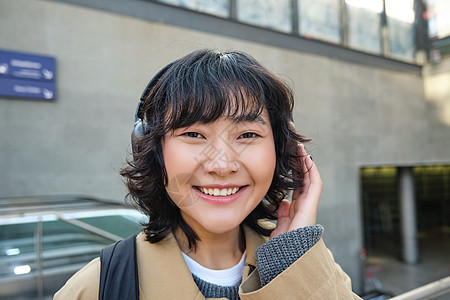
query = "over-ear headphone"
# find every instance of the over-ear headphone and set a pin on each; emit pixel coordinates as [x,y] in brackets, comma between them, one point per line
[139,122]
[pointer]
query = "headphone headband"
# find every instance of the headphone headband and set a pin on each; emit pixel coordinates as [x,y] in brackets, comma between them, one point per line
[148,88]
[139,123]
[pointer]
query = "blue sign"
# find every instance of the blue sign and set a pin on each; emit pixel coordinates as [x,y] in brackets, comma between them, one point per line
[27,89]
[27,76]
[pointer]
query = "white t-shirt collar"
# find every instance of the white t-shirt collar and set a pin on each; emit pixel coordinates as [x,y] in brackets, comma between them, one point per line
[228,277]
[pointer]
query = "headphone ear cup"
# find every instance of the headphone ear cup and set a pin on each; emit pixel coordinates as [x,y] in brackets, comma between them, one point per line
[139,123]
[137,132]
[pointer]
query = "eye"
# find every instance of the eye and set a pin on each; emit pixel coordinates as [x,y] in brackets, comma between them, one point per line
[194,135]
[249,135]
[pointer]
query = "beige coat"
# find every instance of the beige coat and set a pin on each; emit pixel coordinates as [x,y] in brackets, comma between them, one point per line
[163,274]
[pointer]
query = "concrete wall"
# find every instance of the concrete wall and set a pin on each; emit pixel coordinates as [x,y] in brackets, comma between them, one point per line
[437,92]
[357,115]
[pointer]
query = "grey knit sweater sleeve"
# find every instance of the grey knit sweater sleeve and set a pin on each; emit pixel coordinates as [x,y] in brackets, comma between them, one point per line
[279,253]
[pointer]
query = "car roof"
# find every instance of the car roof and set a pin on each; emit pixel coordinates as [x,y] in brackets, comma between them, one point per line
[20,206]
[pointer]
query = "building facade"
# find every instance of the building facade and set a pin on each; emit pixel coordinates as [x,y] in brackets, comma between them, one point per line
[360,108]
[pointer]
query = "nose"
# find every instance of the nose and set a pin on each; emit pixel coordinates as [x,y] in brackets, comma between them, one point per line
[219,159]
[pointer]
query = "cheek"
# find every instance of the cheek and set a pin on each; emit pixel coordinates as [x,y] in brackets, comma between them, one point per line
[177,159]
[261,164]
[179,166]
[170,159]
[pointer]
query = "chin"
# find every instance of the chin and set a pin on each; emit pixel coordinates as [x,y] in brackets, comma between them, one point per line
[221,226]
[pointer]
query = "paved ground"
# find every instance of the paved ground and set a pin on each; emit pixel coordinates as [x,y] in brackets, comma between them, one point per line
[396,277]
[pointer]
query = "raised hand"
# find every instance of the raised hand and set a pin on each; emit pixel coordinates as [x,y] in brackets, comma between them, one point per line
[302,211]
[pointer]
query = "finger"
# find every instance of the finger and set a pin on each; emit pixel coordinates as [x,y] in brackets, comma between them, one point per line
[306,174]
[313,173]
[305,167]
[315,181]
[283,219]
[302,154]
[306,203]
[310,194]
[283,209]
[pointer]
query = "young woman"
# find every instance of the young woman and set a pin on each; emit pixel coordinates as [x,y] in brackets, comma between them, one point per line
[215,154]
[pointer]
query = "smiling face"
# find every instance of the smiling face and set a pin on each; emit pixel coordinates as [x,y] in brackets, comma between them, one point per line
[220,171]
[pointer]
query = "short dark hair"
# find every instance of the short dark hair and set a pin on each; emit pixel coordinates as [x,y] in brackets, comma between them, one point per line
[202,87]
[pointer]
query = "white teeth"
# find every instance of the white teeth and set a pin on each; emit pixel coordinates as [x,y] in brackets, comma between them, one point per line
[219,192]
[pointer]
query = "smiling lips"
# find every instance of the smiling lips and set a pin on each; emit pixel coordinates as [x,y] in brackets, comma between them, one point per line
[217,195]
[218,192]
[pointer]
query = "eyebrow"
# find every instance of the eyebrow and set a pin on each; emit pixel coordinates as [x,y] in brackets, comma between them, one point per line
[247,119]
[261,120]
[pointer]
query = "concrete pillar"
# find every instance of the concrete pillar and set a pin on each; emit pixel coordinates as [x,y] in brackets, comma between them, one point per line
[410,251]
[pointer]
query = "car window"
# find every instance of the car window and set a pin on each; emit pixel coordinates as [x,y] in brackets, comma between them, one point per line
[65,247]
[122,226]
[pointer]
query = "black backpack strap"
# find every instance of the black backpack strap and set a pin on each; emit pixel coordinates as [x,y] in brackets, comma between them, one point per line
[118,271]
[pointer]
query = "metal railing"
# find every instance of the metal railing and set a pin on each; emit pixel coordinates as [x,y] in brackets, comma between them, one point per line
[428,291]
[39,250]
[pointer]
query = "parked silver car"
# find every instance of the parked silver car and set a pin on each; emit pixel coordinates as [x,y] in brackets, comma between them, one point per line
[44,240]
